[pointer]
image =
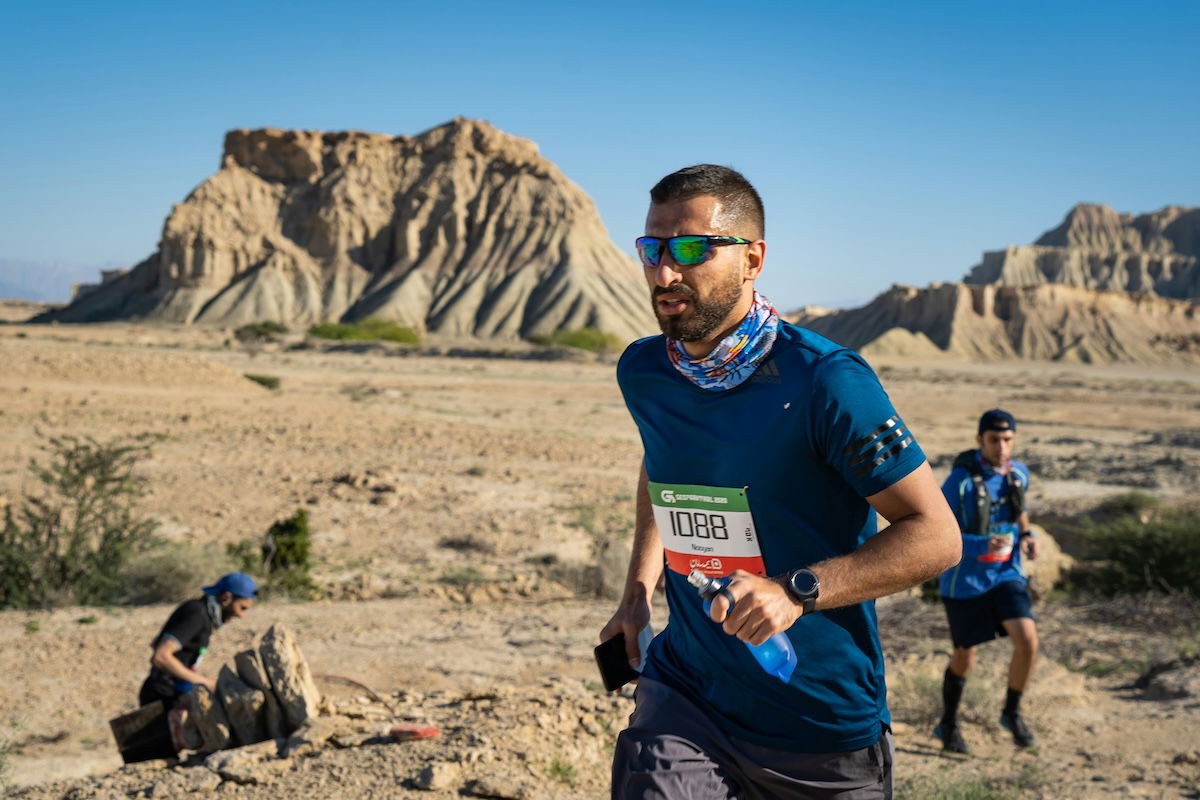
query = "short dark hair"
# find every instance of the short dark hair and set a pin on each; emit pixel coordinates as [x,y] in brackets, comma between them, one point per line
[740,202]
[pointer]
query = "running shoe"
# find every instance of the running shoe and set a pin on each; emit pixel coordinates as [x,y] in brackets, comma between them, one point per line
[1015,724]
[951,737]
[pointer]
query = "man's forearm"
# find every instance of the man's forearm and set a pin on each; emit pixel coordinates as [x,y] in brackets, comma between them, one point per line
[645,562]
[901,556]
[172,666]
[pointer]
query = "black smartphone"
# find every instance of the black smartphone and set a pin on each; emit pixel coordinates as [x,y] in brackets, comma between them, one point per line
[614,663]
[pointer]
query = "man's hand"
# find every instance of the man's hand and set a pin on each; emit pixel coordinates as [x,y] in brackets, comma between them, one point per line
[211,683]
[761,608]
[999,545]
[1030,547]
[631,617]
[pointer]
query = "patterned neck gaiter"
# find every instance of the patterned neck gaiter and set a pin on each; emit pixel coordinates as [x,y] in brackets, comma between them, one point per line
[735,357]
[214,610]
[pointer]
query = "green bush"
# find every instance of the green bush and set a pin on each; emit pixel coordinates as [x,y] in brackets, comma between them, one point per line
[1147,547]
[284,557]
[1123,505]
[69,541]
[271,382]
[590,339]
[259,331]
[367,330]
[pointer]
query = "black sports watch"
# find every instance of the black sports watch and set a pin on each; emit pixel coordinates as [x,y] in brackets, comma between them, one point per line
[805,587]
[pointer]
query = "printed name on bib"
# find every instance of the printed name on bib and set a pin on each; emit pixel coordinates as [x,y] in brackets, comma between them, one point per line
[708,528]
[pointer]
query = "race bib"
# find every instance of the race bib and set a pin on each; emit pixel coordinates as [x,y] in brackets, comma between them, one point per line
[1004,534]
[708,528]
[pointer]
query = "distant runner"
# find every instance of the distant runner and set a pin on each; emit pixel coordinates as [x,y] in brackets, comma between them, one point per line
[766,447]
[985,594]
[179,647]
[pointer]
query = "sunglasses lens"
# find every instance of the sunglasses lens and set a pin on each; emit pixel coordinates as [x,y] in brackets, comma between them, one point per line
[689,250]
[649,251]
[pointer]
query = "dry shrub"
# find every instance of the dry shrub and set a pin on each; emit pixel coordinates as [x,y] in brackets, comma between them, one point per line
[69,540]
[170,572]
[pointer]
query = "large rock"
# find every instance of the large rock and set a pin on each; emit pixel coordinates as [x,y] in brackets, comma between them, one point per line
[1050,322]
[253,674]
[1097,248]
[245,707]
[461,230]
[291,679]
[1100,288]
[207,715]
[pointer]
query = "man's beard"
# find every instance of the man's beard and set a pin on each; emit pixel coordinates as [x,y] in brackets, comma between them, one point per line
[705,316]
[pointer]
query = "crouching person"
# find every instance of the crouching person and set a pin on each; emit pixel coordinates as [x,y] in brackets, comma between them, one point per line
[182,642]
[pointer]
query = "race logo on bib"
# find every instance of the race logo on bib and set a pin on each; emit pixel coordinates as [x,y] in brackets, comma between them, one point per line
[708,528]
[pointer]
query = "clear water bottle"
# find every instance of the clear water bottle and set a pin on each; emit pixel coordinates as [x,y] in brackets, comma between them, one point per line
[776,655]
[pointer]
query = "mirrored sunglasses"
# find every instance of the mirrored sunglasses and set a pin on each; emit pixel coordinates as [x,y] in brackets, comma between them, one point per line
[686,251]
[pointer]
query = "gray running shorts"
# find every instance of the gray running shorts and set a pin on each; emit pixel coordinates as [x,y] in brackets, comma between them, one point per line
[670,751]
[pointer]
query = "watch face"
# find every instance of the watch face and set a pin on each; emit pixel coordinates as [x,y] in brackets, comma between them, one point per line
[804,583]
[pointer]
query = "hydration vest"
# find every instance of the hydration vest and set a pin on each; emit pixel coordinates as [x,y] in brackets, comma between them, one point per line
[1015,496]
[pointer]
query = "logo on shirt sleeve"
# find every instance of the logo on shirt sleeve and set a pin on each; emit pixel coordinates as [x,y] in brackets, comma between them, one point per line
[878,446]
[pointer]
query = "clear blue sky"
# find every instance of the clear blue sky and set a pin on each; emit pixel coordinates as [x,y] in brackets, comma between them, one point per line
[892,142]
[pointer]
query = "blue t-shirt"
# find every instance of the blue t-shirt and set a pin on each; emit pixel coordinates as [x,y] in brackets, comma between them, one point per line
[976,573]
[802,441]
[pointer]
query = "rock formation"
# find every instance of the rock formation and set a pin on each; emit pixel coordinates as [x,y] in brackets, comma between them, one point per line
[1097,248]
[1045,322]
[462,230]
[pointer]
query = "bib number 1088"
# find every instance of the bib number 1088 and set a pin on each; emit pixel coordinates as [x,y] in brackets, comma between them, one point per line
[698,524]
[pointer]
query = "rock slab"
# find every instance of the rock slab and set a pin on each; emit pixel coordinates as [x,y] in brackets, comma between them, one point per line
[291,679]
[207,715]
[250,669]
[245,707]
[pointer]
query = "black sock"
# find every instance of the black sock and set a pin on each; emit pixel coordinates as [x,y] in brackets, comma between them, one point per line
[952,689]
[1012,701]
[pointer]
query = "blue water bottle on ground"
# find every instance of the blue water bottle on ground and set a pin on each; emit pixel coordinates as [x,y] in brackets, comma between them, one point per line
[776,655]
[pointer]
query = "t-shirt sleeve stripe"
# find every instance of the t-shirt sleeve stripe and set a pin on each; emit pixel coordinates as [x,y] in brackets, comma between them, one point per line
[863,470]
[875,448]
[854,447]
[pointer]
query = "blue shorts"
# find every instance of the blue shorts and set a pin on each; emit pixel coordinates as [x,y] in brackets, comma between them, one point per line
[975,620]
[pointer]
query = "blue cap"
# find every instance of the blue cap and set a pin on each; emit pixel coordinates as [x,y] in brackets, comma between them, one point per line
[997,420]
[238,584]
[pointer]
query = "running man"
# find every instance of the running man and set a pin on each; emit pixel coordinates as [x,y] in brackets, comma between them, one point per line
[767,451]
[986,594]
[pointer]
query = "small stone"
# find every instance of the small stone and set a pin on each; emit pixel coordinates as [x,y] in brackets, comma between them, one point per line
[439,775]
[499,788]
[345,740]
[312,735]
[200,781]
[249,765]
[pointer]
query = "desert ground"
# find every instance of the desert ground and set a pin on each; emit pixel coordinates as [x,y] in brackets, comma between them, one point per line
[470,516]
